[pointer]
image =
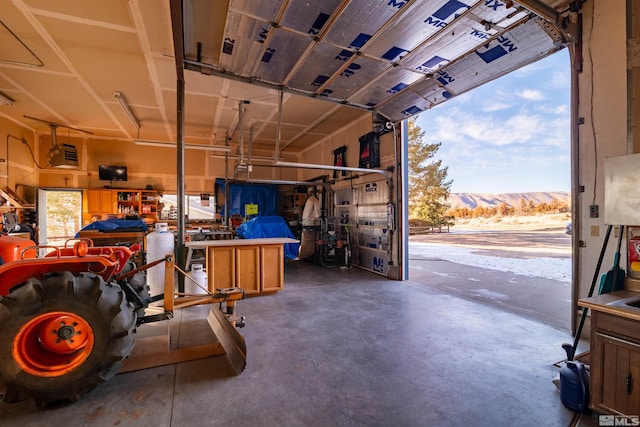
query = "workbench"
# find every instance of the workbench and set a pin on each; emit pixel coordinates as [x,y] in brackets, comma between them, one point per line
[255,265]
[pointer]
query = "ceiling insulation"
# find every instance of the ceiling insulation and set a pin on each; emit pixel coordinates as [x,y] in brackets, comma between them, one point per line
[395,57]
[63,62]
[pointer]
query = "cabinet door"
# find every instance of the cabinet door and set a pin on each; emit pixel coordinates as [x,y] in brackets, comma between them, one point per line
[220,267]
[100,201]
[107,204]
[94,200]
[248,269]
[272,267]
[618,373]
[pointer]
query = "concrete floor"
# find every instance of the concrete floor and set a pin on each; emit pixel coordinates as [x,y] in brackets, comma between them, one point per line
[338,348]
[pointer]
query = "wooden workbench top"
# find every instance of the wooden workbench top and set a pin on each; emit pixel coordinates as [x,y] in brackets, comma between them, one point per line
[613,303]
[241,242]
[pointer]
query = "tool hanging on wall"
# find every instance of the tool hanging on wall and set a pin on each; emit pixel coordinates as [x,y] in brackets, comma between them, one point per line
[613,280]
[339,159]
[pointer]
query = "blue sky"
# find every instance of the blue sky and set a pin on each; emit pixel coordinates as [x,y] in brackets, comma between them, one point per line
[511,135]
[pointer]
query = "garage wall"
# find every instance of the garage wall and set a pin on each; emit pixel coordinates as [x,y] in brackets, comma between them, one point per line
[634,64]
[17,162]
[155,166]
[322,152]
[603,106]
[370,210]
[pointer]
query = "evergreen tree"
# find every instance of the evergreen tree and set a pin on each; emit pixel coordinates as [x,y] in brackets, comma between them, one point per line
[428,184]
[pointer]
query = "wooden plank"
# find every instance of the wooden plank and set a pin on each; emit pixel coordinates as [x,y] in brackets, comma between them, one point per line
[233,343]
[151,352]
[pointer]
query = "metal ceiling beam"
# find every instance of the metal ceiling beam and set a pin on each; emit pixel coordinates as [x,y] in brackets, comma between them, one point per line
[283,182]
[386,174]
[279,129]
[211,70]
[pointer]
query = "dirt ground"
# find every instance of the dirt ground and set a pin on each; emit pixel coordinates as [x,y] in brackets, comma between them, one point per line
[518,236]
[511,243]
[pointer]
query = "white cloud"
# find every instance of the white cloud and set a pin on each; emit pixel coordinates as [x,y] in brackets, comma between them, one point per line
[531,95]
[495,106]
[561,110]
[560,79]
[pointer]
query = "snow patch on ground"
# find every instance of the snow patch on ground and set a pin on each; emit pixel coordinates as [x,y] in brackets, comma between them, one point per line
[548,268]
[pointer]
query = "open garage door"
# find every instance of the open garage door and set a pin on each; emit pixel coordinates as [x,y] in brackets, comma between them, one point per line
[394,57]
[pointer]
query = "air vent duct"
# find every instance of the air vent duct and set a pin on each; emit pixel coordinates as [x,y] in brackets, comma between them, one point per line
[62,156]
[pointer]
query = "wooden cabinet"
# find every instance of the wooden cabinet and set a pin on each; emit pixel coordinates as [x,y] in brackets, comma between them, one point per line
[255,265]
[615,364]
[97,204]
[102,204]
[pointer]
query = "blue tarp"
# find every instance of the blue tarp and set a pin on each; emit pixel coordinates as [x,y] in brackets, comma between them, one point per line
[116,224]
[269,226]
[264,195]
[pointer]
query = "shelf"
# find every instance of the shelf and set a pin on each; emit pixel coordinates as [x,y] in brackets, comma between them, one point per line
[105,203]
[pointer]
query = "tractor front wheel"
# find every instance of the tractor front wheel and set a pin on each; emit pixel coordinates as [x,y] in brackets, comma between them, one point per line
[62,336]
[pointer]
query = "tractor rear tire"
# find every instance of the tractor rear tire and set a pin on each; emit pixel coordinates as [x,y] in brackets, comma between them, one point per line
[62,336]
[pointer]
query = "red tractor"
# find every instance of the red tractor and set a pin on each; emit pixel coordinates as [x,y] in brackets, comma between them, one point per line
[68,319]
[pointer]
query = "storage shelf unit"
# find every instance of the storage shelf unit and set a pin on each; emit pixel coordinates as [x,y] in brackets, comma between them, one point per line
[99,204]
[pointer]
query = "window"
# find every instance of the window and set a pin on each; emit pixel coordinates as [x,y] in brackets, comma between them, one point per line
[195,207]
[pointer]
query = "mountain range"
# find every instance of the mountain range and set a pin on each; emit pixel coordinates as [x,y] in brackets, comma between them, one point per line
[471,200]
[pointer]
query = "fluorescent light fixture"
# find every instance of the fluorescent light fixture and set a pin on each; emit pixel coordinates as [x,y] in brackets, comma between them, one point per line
[5,100]
[222,148]
[127,109]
